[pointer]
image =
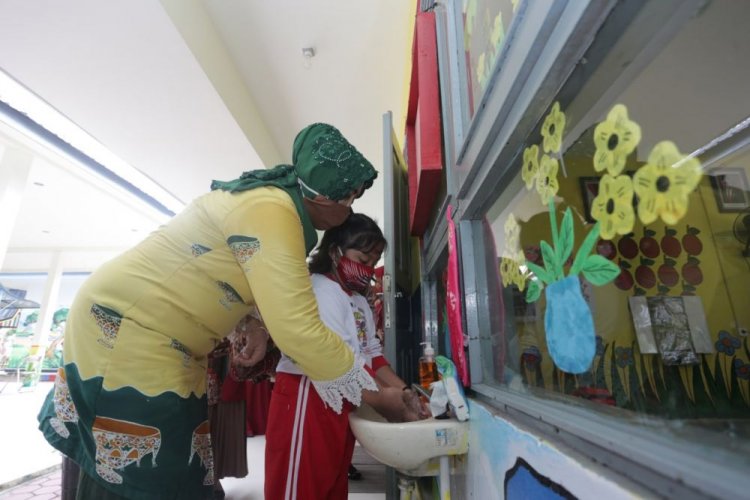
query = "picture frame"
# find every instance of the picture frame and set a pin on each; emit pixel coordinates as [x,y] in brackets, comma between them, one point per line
[682,316]
[589,191]
[731,189]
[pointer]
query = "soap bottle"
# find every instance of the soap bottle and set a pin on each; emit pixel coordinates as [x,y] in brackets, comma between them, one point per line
[428,372]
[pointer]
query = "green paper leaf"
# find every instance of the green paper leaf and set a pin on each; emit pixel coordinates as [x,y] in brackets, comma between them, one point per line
[540,272]
[550,258]
[533,291]
[565,238]
[585,250]
[599,271]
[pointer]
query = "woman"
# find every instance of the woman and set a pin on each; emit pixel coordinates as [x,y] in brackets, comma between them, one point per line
[308,445]
[129,406]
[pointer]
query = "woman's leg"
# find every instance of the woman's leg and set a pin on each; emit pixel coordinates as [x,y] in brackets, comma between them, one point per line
[69,483]
[89,489]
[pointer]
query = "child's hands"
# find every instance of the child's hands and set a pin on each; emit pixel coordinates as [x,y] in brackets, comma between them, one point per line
[415,405]
[395,404]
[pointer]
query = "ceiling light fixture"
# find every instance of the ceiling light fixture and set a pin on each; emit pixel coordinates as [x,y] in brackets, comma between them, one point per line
[308,53]
[21,101]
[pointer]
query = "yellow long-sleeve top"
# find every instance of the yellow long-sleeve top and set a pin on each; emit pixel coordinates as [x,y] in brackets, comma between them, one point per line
[148,318]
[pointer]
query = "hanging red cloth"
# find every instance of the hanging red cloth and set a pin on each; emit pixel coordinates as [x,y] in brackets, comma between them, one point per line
[257,401]
[453,303]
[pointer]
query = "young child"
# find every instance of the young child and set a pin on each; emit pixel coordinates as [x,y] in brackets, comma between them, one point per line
[308,445]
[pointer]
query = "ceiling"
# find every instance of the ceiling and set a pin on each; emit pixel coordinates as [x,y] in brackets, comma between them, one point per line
[182,92]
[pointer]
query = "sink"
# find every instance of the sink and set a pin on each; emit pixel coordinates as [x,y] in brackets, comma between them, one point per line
[412,448]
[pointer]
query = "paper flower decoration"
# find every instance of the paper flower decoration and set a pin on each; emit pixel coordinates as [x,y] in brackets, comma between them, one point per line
[506,271]
[530,165]
[613,206]
[568,323]
[615,138]
[664,184]
[552,129]
[512,232]
[481,70]
[546,183]
[510,271]
[498,33]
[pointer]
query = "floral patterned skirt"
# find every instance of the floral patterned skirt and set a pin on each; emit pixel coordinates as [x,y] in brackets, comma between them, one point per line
[133,445]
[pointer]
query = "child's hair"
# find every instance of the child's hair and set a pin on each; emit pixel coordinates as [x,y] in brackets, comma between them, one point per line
[358,232]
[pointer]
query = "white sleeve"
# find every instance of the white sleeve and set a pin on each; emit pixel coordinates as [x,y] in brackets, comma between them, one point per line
[335,311]
[373,347]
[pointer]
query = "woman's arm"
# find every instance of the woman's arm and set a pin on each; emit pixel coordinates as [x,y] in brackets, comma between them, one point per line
[265,235]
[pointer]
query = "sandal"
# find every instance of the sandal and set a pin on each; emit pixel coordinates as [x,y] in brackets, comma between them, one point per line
[354,474]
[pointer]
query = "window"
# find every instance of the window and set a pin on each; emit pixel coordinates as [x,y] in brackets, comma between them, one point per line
[660,165]
[485,26]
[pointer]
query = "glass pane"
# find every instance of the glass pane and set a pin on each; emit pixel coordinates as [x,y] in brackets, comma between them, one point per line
[485,24]
[652,316]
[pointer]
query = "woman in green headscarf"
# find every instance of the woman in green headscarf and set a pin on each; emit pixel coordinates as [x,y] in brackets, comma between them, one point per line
[133,384]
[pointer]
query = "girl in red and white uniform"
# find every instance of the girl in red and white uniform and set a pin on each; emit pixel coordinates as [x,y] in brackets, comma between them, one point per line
[309,445]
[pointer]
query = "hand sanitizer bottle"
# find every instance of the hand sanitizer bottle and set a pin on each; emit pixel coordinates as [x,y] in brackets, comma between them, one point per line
[428,372]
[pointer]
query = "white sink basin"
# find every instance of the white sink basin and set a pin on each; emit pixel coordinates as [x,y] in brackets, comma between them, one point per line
[409,447]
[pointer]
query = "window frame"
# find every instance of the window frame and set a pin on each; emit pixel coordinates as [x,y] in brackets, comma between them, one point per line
[568,56]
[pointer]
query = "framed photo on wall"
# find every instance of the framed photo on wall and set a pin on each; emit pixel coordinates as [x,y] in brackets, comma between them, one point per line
[731,189]
[589,190]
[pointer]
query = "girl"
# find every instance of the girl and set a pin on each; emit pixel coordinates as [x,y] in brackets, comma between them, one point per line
[309,446]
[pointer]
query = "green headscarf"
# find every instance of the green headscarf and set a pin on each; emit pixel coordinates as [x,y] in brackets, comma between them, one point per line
[323,160]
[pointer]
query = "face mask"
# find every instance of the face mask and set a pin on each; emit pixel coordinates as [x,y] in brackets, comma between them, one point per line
[324,213]
[354,275]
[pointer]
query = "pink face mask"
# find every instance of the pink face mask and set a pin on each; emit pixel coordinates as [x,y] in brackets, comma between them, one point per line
[354,275]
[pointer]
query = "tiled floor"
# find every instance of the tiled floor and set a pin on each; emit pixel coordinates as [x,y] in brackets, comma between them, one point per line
[370,487]
[23,448]
[45,487]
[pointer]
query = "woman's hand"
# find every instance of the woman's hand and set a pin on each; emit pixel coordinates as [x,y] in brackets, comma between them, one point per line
[249,341]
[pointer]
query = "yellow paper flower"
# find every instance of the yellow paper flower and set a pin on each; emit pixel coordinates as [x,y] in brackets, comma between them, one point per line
[664,183]
[470,18]
[512,232]
[511,273]
[613,206]
[498,33]
[615,138]
[507,271]
[480,70]
[530,165]
[552,129]
[546,183]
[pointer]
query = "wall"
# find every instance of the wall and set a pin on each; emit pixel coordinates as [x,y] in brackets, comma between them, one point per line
[505,461]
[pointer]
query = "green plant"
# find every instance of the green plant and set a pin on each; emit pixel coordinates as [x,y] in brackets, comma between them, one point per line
[596,269]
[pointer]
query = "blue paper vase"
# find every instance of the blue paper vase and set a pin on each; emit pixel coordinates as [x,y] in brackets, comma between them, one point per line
[569,326]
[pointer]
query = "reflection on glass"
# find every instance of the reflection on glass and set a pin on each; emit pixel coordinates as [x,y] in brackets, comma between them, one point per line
[485,24]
